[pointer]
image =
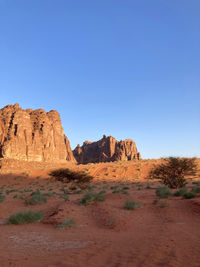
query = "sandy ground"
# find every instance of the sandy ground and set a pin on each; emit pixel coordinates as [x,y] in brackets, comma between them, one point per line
[105,233]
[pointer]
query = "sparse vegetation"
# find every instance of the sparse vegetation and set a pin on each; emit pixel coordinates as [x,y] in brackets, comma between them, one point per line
[23,217]
[163,192]
[64,196]
[19,196]
[155,201]
[68,223]
[131,205]
[67,176]
[92,197]
[174,171]
[196,189]
[36,198]
[180,192]
[111,222]
[189,195]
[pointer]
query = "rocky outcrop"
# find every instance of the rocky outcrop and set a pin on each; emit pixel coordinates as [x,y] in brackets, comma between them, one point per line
[33,135]
[105,150]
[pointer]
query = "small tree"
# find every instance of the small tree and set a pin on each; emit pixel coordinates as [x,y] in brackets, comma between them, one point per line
[67,176]
[174,170]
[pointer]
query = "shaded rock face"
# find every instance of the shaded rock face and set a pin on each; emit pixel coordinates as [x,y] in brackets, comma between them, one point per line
[105,150]
[33,135]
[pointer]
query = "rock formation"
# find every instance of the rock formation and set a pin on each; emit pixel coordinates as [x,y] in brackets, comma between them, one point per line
[106,149]
[33,135]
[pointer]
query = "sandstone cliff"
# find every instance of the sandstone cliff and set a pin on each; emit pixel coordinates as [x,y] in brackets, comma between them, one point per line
[106,149]
[33,135]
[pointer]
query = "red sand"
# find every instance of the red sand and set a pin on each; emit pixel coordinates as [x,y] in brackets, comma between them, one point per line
[105,233]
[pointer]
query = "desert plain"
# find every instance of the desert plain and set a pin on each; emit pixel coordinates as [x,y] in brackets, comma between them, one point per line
[159,232]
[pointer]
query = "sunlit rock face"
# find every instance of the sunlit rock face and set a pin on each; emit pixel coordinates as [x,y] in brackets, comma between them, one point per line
[33,135]
[105,150]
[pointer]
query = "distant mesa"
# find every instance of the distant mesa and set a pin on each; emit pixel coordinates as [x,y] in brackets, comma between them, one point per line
[105,150]
[33,135]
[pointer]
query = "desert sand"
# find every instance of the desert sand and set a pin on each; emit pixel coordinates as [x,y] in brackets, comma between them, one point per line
[105,233]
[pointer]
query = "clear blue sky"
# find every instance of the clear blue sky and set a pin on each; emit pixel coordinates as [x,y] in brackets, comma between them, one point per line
[126,68]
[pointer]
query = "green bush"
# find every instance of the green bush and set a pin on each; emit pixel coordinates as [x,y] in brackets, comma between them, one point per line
[67,176]
[68,223]
[163,192]
[92,197]
[174,170]
[196,189]
[22,217]
[36,198]
[180,192]
[125,187]
[131,205]
[189,195]
[19,196]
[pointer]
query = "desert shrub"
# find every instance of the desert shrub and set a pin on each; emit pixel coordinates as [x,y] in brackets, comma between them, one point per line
[11,191]
[64,190]
[36,198]
[124,192]
[27,190]
[125,187]
[180,192]
[189,195]
[140,186]
[163,192]
[131,205]
[2,197]
[67,176]
[92,197]
[73,188]
[22,217]
[68,223]
[116,191]
[174,170]
[19,196]
[155,201]
[114,187]
[111,222]
[64,196]
[196,189]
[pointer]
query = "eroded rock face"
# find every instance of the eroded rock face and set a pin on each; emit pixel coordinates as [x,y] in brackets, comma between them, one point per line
[33,135]
[106,149]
